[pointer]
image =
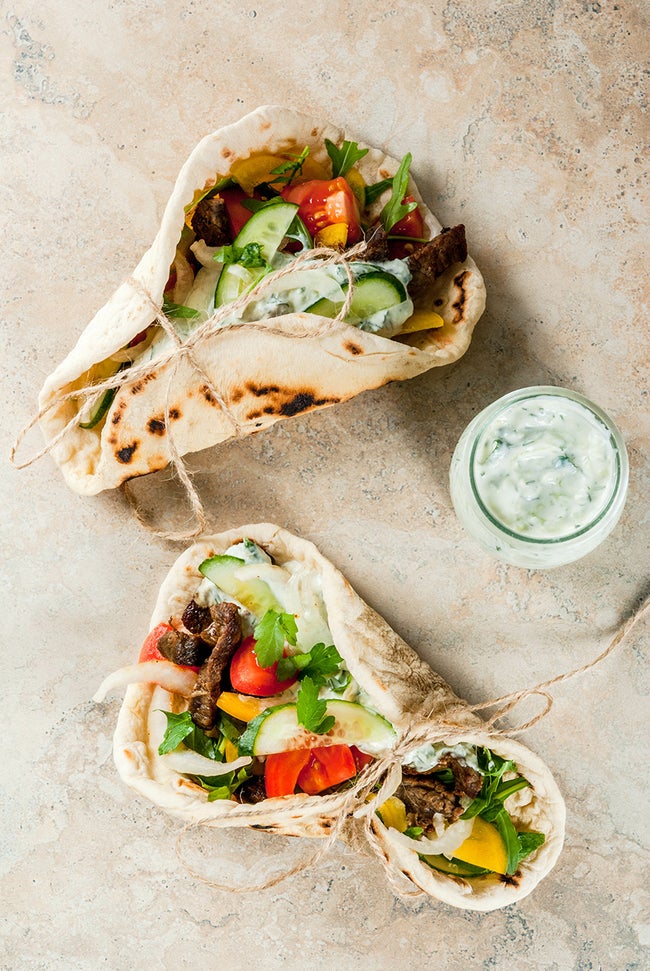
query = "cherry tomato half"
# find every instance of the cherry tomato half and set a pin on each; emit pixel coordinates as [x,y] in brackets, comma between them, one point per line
[281,771]
[361,759]
[411,225]
[238,215]
[149,650]
[249,678]
[326,202]
[327,766]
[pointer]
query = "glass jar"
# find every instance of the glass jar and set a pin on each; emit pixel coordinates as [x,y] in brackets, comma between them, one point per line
[539,477]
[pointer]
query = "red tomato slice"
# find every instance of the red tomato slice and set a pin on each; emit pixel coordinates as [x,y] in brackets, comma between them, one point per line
[238,215]
[325,202]
[281,771]
[361,760]
[412,224]
[327,767]
[247,677]
[149,650]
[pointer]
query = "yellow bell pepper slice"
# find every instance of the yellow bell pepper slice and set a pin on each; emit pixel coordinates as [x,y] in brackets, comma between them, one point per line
[484,847]
[231,752]
[335,236]
[393,813]
[242,707]
[422,320]
[358,185]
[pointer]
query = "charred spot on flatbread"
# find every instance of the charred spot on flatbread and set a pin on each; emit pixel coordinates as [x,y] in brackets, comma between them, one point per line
[511,879]
[138,386]
[260,390]
[459,304]
[353,348]
[125,454]
[156,426]
[208,395]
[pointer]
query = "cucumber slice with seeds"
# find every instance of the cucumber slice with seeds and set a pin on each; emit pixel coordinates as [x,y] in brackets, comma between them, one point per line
[253,594]
[373,292]
[278,730]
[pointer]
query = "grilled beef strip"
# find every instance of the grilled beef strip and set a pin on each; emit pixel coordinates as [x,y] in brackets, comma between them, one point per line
[195,618]
[225,633]
[425,794]
[430,261]
[377,245]
[183,648]
[210,222]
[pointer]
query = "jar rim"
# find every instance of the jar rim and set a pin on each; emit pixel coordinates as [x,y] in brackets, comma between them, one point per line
[619,487]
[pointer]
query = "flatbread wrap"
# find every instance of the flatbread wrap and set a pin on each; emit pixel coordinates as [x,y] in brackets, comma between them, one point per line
[254,272]
[267,690]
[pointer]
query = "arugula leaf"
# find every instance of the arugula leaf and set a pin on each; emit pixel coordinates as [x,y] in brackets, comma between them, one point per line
[345,157]
[178,310]
[223,786]
[374,191]
[270,634]
[181,729]
[319,664]
[311,711]
[289,170]
[395,209]
[528,843]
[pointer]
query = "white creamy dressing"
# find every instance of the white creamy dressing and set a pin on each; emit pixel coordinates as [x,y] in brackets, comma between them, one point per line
[427,757]
[545,467]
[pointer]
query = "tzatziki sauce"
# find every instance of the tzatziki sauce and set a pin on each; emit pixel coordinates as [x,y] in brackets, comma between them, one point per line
[545,467]
[539,477]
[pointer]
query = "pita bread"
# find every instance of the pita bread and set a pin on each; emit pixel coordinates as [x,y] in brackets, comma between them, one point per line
[399,685]
[275,369]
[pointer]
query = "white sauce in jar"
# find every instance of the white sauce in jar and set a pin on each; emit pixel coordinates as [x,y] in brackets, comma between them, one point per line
[545,467]
[539,477]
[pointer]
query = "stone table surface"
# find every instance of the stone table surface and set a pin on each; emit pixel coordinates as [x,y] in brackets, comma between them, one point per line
[527,122]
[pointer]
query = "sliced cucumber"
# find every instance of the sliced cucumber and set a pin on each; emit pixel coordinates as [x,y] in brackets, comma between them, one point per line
[454,867]
[268,227]
[373,292]
[278,730]
[253,594]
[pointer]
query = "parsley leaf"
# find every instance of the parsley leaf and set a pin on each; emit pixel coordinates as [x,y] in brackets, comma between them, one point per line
[311,711]
[319,664]
[181,729]
[345,157]
[250,255]
[395,209]
[289,170]
[270,634]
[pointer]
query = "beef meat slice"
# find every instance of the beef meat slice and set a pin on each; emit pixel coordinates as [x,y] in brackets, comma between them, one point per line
[210,222]
[226,626]
[431,260]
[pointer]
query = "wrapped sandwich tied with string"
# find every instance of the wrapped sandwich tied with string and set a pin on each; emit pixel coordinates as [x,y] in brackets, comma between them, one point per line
[269,695]
[293,269]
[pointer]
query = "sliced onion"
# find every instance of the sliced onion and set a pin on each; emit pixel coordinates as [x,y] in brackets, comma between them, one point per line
[168,675]
[191,763]
[451,839]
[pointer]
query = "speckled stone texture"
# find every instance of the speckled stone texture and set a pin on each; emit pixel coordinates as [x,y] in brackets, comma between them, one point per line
[527,121]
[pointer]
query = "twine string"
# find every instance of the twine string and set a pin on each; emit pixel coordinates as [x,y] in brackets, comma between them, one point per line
[380,779]
[219,323]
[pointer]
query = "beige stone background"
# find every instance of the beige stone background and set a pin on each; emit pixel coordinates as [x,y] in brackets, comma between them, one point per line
[527,121]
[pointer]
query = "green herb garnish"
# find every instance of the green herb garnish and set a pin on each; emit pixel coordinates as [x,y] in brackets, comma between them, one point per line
[289,170]
[374,191]
[395,209]
[181,729]
[270,635]
[311,710]
[345,157]
[177,310]
[319,664]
